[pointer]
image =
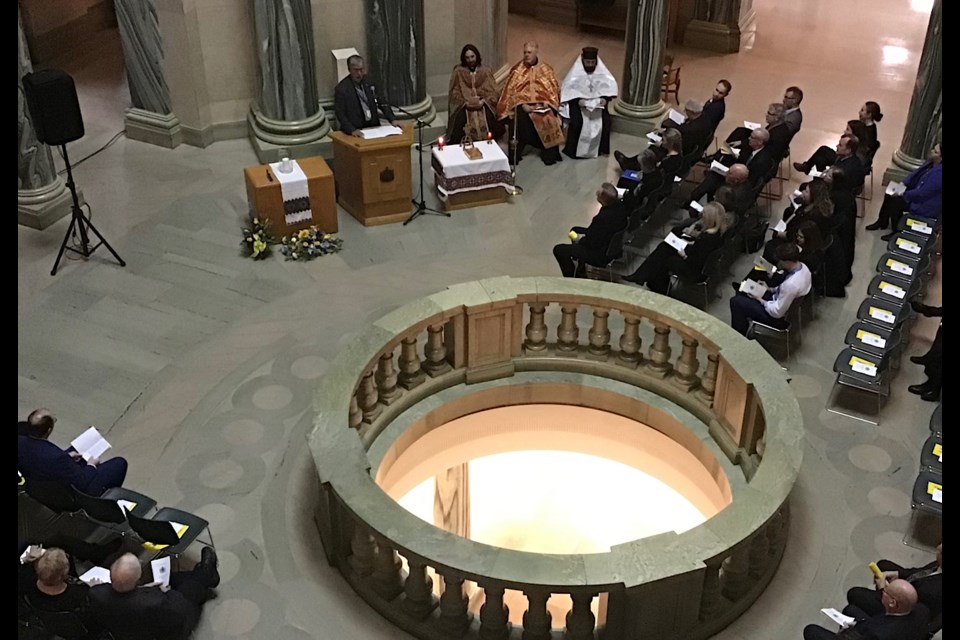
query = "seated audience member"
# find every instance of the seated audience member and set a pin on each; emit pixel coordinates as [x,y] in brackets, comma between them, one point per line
[40,459]
[695,130]
[755,157]
[772,307]
[150,612]
[792,116]
[703,236]
[591,247]
[726,197]
[735,195]
[814,204]
[922,197]
[46,584]
[716,107]
[806,235]
[650,180]
[932,362]
[870,115]
[670,145]
[780,134]
[825,157]
[850,164]
[901,618]
[927,580]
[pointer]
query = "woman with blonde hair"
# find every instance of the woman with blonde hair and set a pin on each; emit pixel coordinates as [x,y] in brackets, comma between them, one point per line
[703,236]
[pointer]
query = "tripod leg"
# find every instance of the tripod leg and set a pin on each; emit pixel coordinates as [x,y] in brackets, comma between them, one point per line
[63,245]
[103,240]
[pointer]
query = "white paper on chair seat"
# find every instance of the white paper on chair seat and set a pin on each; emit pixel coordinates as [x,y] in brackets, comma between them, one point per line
[899,267]
[919,226]
[892,290]
[753,126]
[676,116]
[871,338]
[781,226]
[126,505]
[753,288]
[96,575]
[382,131]
[677,243]
[865,367]
[882,314]
[895,189]
[719,168]
[908,245]
[654,138]
[696,206]
[839,618]
[938,496]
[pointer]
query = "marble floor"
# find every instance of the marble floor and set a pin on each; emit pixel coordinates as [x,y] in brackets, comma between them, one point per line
[198,364]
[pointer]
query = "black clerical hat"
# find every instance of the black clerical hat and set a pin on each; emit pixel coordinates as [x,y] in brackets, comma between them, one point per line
[590,53]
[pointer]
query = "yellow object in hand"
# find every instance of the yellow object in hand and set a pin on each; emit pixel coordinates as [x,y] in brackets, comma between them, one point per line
[875,569]
[573,235]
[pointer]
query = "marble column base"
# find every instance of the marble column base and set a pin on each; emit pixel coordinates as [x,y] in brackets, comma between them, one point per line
[637,120]
[302,138]
[40,208]
[162,130]
[900,165]
[724,38]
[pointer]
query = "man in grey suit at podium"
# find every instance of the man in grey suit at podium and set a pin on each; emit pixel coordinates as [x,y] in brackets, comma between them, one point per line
[356,101]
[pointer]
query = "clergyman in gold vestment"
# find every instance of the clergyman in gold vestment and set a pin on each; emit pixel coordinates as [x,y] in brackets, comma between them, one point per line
[531,98]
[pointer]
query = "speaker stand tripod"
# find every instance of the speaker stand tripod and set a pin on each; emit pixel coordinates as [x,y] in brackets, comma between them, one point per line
[79,223]
[421,207]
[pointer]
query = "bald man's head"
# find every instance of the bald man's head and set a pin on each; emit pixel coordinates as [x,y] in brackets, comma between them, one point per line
[41,423]
[738,174]
[530,51]
[125,573]
[899,597]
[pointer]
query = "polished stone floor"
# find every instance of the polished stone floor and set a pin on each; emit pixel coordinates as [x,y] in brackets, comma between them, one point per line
[199,364]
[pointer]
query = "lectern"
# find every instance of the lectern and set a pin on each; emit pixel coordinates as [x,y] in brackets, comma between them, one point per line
[266,198]
[373,176]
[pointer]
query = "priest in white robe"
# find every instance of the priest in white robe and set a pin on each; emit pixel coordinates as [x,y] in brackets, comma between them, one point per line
[586,91]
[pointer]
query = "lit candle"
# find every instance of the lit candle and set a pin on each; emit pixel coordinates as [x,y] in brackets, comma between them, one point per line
[440,143]
[489,137]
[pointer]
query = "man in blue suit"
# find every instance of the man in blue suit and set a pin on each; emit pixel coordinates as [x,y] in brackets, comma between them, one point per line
[40,459]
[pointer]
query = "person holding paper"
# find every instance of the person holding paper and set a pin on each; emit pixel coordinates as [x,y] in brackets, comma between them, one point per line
[591,247]
[695,129]
[927,580]
[772,308]
[530,101]
[901,618]
[780,134]
[472,99]
[668,145]
[46,584]
[586,92]
[755,158]
[161,612]
[651,179]
[356,100]
[922,196]
[824,156]
[684,252]
[39,458]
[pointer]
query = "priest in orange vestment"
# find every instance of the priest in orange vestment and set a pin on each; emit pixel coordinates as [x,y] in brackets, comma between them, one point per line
[532,92]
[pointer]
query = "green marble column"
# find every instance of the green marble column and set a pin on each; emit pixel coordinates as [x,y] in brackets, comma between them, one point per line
[396,58]
[639,108]
[925,116]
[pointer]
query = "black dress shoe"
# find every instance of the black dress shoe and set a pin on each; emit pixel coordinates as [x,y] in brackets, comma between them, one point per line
[887,236]
[876,226]
[919,389]
[208,568]
[621,160]
[931,396]
[736,287]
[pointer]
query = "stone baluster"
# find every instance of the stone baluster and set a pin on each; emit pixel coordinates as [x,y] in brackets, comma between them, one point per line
[494,615]
[454,618]
[368,398]
[386,578]
[362,552]
[411,375]
[435,352]
[418,589]
[777,531]
[536,329]
[658,358]
[630,341]
[537,621]
[386,377]
[580,619]
[685,373]
[710,600]
[599,334]
[758,555]
[708,385]
[356,416]
[734,579]
[568,333]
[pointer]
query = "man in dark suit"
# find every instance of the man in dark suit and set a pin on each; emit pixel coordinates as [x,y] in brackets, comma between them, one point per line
[901,618]
[927,580]
[696,130]
[716,107]
[356,101]
[780,133]
[40,459]
[755,157]
[792,115]
[591,248]
[153,612]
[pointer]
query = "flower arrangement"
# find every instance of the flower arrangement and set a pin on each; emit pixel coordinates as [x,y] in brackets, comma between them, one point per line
[307,244]
[257,238]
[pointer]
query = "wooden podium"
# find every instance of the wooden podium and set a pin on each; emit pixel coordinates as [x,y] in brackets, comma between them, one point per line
[266,200]
[373,176]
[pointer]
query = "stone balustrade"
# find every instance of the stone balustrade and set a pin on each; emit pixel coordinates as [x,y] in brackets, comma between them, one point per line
[672,585]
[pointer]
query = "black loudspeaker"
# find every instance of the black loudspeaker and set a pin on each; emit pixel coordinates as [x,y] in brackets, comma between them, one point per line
[52,100]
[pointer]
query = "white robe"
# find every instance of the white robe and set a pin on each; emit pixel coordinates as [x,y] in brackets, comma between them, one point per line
[591,89]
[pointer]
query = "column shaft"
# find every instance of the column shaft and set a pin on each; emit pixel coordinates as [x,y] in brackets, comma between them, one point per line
[395,55]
